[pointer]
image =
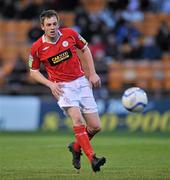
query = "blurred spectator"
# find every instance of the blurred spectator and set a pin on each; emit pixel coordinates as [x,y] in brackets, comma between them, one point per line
[65,5]
[35,32]
[45,4]
[82,23]
[110,31]
[165,6]
[155,5]
[125,50]
[5,70]
[133,5]
[117,5]
[145,5]
[112,51]
[136,51]
[163,37]
[107,16]
[150,50]
[2,4]
[125,32]
[131,51]
[133,13]
[97,47]
[18,73]
[8,9]
[27,10]
[88,25]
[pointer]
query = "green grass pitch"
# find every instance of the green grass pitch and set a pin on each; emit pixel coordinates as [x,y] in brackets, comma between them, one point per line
[43,156]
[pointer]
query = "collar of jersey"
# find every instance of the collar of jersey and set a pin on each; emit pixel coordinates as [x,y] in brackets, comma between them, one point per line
[43,38]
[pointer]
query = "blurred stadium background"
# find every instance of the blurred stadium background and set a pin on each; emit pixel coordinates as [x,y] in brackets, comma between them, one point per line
[129,40]
[130,44]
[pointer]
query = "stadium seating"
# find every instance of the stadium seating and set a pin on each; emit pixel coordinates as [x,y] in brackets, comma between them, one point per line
[94,6]
[146,74]
[115,76]
[151,23]
[67,18]
[166,83]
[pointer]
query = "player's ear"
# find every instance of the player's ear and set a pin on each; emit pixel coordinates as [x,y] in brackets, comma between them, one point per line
[42,26]
[57,24]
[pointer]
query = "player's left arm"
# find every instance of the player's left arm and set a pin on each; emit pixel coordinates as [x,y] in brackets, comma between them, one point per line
[94,79]
[86,59]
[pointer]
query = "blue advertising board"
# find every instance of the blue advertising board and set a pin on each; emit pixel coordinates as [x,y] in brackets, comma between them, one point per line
[32,113]
[19,113]
[51,116]
[156,116]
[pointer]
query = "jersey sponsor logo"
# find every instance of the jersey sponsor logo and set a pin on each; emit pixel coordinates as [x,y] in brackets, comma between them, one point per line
[65,55]
[30,61]
[65,43]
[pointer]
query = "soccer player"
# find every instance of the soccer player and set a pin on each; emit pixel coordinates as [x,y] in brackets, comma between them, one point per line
[56,49]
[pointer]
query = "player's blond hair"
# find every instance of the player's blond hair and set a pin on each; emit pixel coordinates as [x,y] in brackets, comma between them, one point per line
[48,14]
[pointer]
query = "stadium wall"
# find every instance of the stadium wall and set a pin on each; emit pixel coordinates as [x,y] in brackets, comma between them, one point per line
[19,113]
[22,113]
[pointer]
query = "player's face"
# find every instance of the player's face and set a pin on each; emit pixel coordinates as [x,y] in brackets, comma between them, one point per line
[50,27]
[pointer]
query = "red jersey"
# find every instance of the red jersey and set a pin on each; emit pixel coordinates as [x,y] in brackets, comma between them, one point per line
[60,58]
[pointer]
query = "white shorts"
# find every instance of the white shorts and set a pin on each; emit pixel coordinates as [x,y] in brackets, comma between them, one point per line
[78,93]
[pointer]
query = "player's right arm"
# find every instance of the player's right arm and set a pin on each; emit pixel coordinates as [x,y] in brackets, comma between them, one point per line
[34,64]
[55,87]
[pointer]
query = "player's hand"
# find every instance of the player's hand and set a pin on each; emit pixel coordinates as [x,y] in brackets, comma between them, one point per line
[56,89]
[94,80]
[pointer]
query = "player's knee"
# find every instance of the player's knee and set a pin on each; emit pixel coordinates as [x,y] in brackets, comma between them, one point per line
[95,129]
[76,119]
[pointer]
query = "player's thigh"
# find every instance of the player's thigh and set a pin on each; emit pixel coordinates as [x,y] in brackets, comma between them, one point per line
[92,120]
[75,114]
[88,103]
[69,98]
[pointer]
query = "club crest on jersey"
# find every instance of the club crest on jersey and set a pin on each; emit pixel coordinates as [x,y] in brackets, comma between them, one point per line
[58,58]
[65,43]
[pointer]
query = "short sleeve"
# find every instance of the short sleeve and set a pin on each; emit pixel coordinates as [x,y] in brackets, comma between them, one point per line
[81,43]
[34,62]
